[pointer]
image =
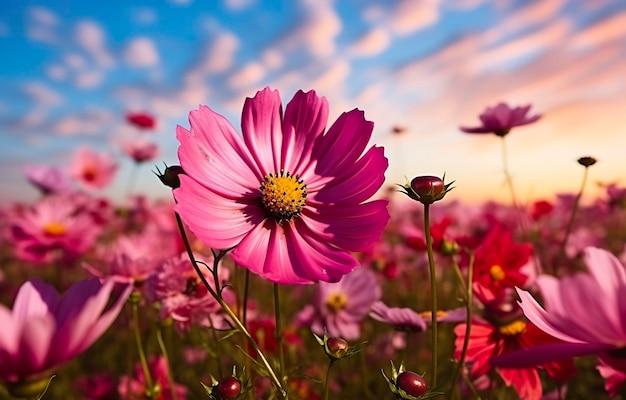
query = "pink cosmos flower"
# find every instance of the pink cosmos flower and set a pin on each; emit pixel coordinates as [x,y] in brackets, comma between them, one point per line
[500,119]
[141,120]
[289,196]
[52,230]
[403,319]
[131,388]
[584,310]
[93,170]
[45,330]
[49,179]
[184,298]
[140,150]
[340,307]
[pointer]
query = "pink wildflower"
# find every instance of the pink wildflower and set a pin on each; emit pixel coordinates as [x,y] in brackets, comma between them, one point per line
[340,307]
[290,197]
[45,330]
[184,298]
[500,119]
[93,170]
[49,179]
[141,120]
[52,230]
[140,150]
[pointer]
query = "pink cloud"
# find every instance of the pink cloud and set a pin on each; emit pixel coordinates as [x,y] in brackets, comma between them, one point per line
[610,29]
[141,52]
[371,43]
[409,16]
[90,36]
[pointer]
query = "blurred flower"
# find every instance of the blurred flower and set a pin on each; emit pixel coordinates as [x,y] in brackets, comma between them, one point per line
[97,387]
[141,120]
[402,319]
[541,208]
[140,150]
[49,179]
[53,230]
[613,379]
[93,170]
[45,330]
[175,285]
[584,310]
[131,388]
[500,119]
[290,198]
[340,307]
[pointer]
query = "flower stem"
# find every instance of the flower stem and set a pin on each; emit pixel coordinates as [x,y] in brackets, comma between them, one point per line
[135,297]
[331,362]
[509,183]
[468,320]
[572,217]
[218,297]
[279,334]
[163,348]
[433,292]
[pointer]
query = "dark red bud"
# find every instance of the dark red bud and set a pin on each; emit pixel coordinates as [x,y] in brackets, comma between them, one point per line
[412,383]
[337,347]
[586,161]
[229,388]
[428,188]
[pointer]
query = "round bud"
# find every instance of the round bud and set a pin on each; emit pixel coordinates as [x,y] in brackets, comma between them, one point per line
[337,347]
[412,383]
[586,161]
[428,189]
[229,388]
[170,176]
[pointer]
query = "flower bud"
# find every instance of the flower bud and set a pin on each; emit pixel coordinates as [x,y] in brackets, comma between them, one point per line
[336,347]
[586,161]
[169,177]
[412,383]
[229,388]
[427,189]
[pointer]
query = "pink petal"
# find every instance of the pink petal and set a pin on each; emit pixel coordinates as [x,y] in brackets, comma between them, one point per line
[35,340]
[306,116]
[34,298]
[606,270]
[220,223]
[548,353]
[261,124]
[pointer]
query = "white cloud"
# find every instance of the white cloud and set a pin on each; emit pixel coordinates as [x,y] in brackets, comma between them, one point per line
[91,38]
[144,16]
[238,5]
[41,94]
[249,74]
[372,43]
[88,122]
[56,72]
[42,25]
[89,79]
[217,57]
[409,16]
[332,78]
[141,52]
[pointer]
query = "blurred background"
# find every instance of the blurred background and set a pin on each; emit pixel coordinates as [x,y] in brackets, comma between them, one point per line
[71,70]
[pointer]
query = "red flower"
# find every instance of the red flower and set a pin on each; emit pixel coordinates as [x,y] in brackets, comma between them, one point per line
[499,262]
[141,120]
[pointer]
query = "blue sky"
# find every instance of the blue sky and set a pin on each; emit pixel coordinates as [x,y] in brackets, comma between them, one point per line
[71,69]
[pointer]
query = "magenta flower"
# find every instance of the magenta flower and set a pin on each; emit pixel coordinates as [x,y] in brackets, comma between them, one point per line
[403,319]
[501,119]
[290,197]
[340,307]
[131,388]
[587,311]
[49,179]
[140,150]
[52,230]
[93,170]
[44,330]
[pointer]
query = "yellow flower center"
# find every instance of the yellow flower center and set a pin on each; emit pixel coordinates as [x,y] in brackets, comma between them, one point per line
[54,229]
[513,328]
[428,315]
[282,195]
[496,272]
[336,302]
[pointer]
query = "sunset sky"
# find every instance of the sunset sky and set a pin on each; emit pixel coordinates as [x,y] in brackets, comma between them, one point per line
[71,69]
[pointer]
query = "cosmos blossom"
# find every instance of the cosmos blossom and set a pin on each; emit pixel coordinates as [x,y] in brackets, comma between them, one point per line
[500,119]
[141,120]
[586,311]
[291,198]
[94,170]
[140,150]
[44,330]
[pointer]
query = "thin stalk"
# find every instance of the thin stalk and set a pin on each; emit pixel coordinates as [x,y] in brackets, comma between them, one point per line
[218,297]
[331,362]
[279,334]
[572,217]
[468,320]
[163,348]
[246,287]
[433,293]
[509,182]
[132,179]
[142,356]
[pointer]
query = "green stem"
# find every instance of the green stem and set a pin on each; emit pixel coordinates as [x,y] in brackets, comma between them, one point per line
[246,287]
[163,348]
[218,297]
[468,320]
[572,217]
[433,293]
[331,362]
[279,334]
[509,182]
[142,356]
